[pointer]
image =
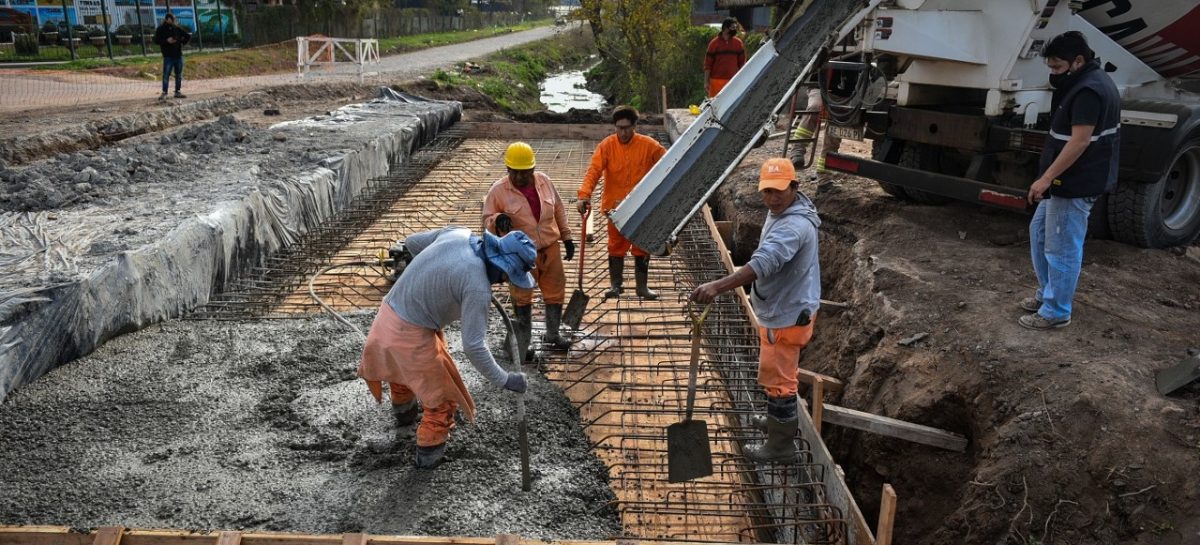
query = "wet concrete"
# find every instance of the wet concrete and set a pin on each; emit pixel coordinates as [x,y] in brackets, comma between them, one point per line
[263,426]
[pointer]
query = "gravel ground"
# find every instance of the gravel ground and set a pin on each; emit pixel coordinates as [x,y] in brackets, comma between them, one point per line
[263,426]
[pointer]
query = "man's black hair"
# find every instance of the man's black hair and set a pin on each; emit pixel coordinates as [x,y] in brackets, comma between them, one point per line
[625,112]
[728,23]
[1067,46]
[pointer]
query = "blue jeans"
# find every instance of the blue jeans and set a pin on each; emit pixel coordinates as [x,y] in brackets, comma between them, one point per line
[1056,245]
[172,64]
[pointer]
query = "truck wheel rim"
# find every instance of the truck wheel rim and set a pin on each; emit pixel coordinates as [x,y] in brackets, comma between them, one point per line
[1181,195]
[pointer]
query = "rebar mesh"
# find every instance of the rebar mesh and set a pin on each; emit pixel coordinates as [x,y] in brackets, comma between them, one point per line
[626,373]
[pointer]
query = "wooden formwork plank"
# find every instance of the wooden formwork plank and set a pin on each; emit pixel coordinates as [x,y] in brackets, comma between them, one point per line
[229,538]
[108,535]
[530,131]
[836,489]
[890,427]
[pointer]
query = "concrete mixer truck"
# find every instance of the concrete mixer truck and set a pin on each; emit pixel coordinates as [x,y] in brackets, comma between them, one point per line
[956,98]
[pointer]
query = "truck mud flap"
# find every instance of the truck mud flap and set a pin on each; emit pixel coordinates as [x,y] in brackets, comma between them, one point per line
[954,187]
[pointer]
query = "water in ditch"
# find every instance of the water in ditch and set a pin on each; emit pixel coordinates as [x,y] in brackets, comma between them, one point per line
[563,91]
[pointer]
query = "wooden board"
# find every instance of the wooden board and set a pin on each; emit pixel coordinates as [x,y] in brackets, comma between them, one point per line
[890,427]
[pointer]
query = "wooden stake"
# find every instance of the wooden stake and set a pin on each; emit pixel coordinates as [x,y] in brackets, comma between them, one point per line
[664,99]
[818,401]
[887,516]
[354,539]
[229,538]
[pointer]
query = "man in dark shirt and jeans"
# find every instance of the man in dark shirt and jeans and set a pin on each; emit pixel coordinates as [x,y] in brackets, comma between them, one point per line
[170,39]
[1078,164]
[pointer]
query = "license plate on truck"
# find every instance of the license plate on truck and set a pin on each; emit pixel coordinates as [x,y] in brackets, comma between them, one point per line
[845,132]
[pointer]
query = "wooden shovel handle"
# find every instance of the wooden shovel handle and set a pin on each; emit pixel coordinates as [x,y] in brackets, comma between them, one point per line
[582,243]
[694,365]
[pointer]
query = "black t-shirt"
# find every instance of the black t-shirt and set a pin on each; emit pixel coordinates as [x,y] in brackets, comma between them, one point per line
[1085,109]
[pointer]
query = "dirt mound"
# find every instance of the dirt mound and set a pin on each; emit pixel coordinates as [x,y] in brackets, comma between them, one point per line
[1070,442]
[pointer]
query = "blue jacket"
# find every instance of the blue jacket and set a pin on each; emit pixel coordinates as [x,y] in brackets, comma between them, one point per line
[787,265]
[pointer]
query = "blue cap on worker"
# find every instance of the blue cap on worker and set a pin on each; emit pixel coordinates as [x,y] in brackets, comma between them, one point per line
[514,254]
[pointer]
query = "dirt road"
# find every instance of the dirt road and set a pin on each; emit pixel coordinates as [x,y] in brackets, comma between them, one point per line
[24,90]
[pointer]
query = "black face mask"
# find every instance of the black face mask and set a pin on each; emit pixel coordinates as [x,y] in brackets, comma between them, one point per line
[1059,81]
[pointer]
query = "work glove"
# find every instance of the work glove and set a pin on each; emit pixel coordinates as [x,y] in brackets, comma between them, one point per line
[583,205]
[570,244]
[516,383]
[503,224]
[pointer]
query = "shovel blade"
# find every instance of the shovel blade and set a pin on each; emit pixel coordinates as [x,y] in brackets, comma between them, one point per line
[573,315]
[689,455]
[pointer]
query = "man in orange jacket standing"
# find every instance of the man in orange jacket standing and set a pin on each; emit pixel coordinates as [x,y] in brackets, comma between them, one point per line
[527,201]
[622,159]
[725,56]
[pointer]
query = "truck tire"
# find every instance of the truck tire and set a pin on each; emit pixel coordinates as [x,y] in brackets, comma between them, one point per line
[891,189]
[922,156]
[1164,213]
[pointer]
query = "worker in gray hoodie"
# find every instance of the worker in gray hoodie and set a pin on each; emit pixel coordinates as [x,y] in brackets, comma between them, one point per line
[449,278]
[785,278]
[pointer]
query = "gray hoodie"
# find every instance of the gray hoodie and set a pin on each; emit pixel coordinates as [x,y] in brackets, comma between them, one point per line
[787,265]
[447,283]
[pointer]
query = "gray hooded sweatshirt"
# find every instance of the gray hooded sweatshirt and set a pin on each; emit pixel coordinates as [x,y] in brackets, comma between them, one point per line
[787,265]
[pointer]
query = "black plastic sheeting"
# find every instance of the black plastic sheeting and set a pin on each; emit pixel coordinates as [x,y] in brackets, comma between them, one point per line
[42,327]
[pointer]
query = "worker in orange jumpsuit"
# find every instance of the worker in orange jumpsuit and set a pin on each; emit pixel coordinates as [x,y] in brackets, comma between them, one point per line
[622,159]
[725,56]
[526,200]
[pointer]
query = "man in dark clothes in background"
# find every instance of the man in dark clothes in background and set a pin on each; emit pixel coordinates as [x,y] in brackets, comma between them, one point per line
[1078,164]
[170,39]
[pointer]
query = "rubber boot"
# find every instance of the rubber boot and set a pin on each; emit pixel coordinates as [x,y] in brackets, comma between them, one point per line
[430,457]
[641,273]
[780,446]
[405,413]
[552,336]
[616,276]
[780,424]
[524,327]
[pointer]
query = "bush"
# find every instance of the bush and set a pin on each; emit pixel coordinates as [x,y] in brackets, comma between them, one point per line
[49,27]
[124,30]
[26,44]
[96,32]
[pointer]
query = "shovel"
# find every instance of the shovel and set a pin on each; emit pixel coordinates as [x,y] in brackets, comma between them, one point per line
[514,354]
[579,300]
[688,452]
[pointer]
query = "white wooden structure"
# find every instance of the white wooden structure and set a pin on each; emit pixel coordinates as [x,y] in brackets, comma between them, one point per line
[319,50]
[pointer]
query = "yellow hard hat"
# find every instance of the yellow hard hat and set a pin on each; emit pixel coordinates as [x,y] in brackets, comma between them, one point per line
[519,156]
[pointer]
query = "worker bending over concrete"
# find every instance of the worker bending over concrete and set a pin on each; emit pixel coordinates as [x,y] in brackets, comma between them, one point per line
[785,278]
[622,159]
[526,200]
[449,278]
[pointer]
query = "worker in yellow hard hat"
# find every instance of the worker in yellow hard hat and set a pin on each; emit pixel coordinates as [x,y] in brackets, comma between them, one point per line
[526,200]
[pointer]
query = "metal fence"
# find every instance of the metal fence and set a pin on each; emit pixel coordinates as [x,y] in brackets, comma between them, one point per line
[64,30]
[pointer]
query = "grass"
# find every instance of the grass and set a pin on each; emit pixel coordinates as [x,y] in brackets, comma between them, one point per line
[265,59]
[511,77]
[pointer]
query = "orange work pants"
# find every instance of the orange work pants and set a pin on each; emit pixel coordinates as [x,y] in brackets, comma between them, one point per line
[415,362]
[618,245]
[548,275]
[779,358]
[715,85]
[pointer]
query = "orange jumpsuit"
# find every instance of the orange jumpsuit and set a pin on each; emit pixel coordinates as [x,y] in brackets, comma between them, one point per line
[623,166]
[545,232]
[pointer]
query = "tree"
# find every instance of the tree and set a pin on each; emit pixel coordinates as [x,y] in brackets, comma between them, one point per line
[640,41]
